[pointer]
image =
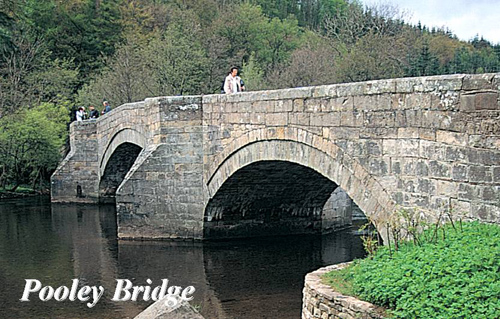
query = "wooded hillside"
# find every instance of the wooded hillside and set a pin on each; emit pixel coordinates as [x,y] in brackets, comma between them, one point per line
[56,55]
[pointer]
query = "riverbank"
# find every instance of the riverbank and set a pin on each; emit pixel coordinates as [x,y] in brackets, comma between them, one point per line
[449,273]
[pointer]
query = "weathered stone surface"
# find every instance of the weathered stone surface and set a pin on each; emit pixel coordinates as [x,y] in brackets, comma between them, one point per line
[321,301]
[417,142]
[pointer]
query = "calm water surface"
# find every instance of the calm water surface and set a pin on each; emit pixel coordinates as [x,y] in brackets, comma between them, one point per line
[235,279]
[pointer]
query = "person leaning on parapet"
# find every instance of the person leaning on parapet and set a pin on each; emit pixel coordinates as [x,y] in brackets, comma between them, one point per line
[233,82]
[107,107]
[93,112]
[80,114]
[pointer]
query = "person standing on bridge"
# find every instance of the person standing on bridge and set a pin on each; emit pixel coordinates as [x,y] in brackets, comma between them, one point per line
[233,82]
[80,114]
[93,112]
[107,107]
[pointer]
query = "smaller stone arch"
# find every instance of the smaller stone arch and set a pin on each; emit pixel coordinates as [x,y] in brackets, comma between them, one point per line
[119,156]
[126,135]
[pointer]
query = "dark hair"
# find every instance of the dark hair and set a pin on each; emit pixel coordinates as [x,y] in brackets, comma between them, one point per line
[233,68]
[80,108]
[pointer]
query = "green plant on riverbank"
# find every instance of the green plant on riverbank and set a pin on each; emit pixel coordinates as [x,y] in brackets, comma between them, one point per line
[457,276]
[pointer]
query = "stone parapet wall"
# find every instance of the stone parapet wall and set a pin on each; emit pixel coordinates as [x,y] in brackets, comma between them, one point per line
[320,301]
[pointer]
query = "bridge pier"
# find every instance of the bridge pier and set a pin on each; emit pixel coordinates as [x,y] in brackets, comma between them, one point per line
[163,196]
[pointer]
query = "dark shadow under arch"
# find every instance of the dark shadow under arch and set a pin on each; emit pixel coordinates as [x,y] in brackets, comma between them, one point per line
[118,165]
[268,198]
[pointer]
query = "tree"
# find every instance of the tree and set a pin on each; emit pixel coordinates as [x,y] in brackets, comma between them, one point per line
[253,75]
[31,141]
[311,64]
[373,57]
[29,76]
[125,79]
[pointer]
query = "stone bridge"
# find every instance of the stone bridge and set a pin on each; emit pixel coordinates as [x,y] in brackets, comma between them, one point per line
[266,162]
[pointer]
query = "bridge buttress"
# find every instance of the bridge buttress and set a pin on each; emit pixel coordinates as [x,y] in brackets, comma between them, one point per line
[76,179]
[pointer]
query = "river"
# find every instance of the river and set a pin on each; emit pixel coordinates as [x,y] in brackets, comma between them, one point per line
[234,279]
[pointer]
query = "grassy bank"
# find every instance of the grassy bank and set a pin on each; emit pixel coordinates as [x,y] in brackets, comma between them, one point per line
[454,276]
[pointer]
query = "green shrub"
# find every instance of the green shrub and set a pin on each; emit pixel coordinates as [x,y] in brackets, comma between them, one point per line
[457,276]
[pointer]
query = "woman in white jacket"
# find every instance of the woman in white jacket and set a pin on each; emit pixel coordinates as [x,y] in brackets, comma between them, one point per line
[232,84]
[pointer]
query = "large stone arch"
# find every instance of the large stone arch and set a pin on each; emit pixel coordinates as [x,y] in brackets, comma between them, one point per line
[124,135]
[307,149]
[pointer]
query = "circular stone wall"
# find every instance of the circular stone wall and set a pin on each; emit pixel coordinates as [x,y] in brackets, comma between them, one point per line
[321,301]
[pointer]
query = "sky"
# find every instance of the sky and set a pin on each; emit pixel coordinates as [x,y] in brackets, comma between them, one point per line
[465,18]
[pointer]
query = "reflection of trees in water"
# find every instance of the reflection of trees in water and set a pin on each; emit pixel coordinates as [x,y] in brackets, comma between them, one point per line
[56,244]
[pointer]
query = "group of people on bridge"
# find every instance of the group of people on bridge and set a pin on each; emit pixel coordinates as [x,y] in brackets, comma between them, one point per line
[81,114]
[231,84]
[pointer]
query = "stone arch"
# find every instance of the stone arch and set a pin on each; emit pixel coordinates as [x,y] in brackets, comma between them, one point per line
[307,149]
[118,158]
[126,135]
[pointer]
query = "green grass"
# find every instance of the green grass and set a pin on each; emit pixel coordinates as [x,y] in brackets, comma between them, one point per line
[457,276]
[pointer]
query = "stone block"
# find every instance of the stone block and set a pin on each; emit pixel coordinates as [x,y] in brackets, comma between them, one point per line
[313,105]
[496,174]
[478,82]
[299,118]
[485,212]
[283,106]
[325,119]
[467,192]
[445,100]
[460,207]
[350,89]
[454,138]
[446,188]
[276,119]
[380,119]
[455,154]
[373,102]
[409,147]
[298,105]
[351,118]
[460,172]
[480,174]
[437,119]
[425,186]
[479,101]
[439,169]
[341,104]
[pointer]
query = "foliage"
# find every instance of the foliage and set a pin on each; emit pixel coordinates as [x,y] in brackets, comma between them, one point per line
[253,74]
[83,51]
[457,276]
[30,143]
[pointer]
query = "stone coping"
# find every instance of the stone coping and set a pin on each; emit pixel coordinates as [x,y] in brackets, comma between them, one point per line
[321,301]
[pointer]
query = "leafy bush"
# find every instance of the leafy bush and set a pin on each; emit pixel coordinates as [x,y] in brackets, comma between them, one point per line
[457,276]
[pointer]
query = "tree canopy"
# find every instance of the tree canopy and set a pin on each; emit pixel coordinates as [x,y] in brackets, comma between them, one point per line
[78,52]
